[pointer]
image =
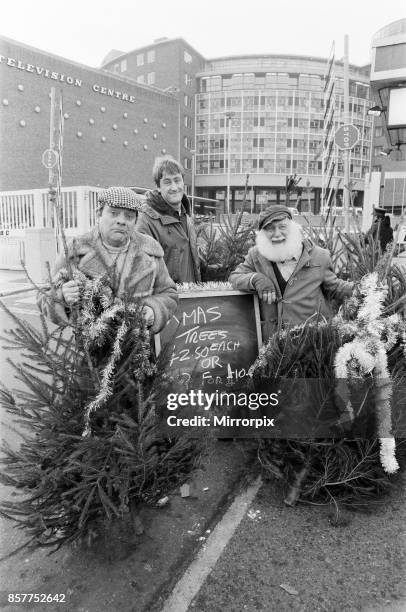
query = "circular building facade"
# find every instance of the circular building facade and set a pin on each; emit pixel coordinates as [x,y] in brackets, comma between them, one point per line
[274,116]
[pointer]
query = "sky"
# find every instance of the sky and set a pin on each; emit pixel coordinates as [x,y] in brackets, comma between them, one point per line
[86,30]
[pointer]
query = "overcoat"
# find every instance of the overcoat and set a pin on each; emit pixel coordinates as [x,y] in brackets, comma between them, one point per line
[143,275]
[180,247]
[312,281]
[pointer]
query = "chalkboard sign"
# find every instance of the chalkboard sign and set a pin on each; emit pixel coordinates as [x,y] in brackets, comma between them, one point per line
[213,338]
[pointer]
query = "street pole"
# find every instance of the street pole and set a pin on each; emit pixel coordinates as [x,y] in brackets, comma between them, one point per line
[52,132]
[346,153]
[193,152]
[229,115]
[51,172]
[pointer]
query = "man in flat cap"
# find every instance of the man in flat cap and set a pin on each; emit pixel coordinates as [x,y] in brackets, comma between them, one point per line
[130,263]
[292,277]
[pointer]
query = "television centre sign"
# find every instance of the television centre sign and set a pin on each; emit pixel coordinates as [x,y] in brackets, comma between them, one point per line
[41,71]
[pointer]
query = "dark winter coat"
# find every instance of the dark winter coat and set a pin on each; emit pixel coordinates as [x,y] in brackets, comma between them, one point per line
[143,275]
[159,220]
[385,233]
[312,281]
[381,228]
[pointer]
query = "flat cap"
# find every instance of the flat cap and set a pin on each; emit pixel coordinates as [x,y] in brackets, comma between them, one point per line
[273,213]
[119,197]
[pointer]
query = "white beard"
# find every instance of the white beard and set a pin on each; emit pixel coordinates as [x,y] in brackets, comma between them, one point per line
[291,247]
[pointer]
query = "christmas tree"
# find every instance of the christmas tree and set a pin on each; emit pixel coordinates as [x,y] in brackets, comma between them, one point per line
[365,340]
[92,447]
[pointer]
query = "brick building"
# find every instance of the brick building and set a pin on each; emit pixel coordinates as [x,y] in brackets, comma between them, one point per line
[170,65]
[114,126]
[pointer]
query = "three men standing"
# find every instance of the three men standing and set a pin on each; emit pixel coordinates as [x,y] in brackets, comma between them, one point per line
[166,217]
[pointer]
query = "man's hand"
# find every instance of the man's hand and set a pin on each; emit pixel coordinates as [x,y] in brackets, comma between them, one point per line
[148,315]
[70,292]
[265,288]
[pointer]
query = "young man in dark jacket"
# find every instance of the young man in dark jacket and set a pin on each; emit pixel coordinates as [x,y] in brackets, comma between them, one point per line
[166,217]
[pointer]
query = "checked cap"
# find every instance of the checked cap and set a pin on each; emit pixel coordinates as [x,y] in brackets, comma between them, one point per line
[119,197]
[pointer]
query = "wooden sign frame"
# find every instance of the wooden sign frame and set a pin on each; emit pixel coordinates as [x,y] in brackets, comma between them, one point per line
[222,293]
[251,329]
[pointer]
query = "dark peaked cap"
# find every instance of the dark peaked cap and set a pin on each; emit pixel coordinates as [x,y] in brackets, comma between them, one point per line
[273,213]
[119,197]
[379,211]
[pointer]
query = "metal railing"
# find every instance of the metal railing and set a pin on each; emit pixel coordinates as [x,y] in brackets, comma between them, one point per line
[31,209]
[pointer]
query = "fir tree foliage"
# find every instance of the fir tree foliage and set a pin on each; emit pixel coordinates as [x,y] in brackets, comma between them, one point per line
[224,245]
[344,471]
[92,447]
[337,470]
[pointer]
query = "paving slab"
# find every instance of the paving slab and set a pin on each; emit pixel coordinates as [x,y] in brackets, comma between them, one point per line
[129,572]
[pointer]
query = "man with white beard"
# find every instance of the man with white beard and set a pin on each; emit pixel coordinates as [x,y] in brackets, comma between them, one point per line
[293,278]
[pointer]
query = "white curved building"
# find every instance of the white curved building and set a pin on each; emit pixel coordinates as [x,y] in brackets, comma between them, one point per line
[266,115]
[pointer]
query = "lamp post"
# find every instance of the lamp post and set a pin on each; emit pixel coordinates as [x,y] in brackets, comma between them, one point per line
[229,116]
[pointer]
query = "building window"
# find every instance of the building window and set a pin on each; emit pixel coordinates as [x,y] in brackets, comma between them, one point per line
[151,56]
[376,168]
[151,78]
[187,142]
[140,78]
[188,122]
[378,131]
[187,57]
[188,80]
[187,163]
[123,65]
[140,59]
[188,100]
[377,150]
[116,67]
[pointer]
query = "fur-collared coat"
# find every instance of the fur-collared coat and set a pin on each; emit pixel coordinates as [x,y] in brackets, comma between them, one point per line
[312,283]
[143,275]
[159,220]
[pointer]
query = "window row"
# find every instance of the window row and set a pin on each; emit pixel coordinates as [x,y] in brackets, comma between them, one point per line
[281,126]
[149,56]
[188,100]
[271,166]
[310,82]
[187,142]
[281,102]
[261,79]
[278,165]
[247,142]
[255,101]
[249,123]
[149,79]
[121,66]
